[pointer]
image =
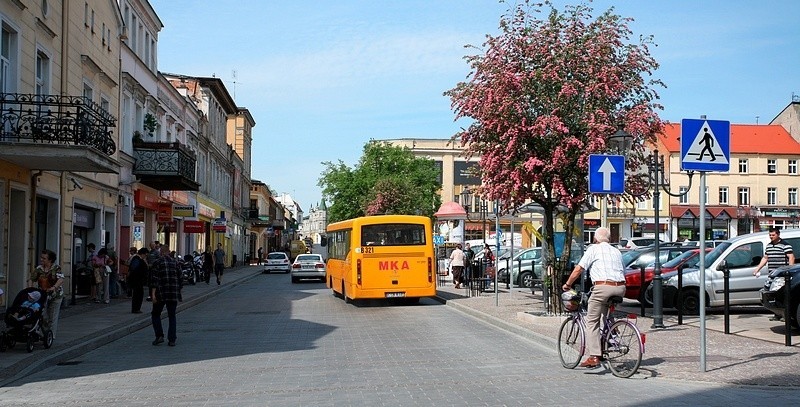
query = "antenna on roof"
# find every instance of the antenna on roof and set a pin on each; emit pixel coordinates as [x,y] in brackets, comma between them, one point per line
[757,119]
[234,83]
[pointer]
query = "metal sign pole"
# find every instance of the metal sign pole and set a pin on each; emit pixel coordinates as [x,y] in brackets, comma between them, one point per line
[702,264]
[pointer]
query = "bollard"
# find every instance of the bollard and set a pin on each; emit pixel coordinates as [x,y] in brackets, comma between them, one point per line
[680,287]
[508,270]
[641,289]
[787,304]
[726,283]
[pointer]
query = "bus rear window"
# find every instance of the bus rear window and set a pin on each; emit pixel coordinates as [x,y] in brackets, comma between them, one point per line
[393,234]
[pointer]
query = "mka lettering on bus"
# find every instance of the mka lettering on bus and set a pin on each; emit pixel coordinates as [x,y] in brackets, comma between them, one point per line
[393,265]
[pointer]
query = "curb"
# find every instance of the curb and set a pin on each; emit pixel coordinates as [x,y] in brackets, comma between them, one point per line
[92,341]
[544,341]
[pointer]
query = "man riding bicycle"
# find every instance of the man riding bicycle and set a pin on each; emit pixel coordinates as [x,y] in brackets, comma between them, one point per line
[604,263]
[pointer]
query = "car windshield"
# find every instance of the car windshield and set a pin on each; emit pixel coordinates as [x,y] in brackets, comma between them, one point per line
[714,255]
[308,257]
[680,259]
[630,256]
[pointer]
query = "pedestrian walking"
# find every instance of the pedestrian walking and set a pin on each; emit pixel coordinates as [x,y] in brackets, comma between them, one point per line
[219,262]
[208,264]
[260,255]
[164,290]
[49,277]
[777,253]
[137,277]
[102,270]
[113,278]
[457,259]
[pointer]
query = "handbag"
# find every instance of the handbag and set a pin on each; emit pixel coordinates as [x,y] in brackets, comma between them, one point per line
[98,275]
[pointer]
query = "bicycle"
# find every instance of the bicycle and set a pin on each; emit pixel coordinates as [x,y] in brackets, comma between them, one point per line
[622,343]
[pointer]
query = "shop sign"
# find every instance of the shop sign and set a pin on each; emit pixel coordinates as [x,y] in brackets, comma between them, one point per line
[184,211]
[146,199]
[194,226]
[220,225]
[171,226]
[205,210]
[164,212]
[83,218]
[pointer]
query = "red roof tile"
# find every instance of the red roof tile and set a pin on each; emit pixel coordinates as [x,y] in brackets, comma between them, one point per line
[745,138]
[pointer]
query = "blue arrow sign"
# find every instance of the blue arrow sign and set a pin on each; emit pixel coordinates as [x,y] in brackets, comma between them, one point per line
[606,174]
[705,145]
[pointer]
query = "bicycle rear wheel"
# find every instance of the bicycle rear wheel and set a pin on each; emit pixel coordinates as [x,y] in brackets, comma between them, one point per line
[623,349]
[571,341]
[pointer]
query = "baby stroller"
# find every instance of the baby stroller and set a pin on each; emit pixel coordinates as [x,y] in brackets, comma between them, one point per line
[30,330]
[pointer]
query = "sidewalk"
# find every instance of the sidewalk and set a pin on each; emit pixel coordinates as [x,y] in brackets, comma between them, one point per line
[753,354]
[86,326]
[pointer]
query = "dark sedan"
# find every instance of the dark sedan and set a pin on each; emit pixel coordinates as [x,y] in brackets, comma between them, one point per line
[774,293]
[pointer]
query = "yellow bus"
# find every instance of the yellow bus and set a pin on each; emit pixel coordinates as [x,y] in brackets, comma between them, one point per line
[384,256]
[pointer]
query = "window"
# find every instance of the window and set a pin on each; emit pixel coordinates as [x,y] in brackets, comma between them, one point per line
[792,166]
[723,195]
[772,196]
[88,91]
[684,192]
[42,73]
[641,205]
[92,22]
[772,166]
[86,14]
[744,196]
[103,33]
[45,8]
[743,166]
[8,58]
[792,198]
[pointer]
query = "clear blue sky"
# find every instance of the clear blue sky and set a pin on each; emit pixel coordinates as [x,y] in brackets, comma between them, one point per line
[323,77]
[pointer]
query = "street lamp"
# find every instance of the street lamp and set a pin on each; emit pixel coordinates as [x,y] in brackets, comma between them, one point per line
[655,175]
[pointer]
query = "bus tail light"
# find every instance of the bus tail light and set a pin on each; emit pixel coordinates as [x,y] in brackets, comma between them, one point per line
[358,271]
[430,270]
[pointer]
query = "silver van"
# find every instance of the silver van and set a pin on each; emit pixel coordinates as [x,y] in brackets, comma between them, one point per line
[741,255]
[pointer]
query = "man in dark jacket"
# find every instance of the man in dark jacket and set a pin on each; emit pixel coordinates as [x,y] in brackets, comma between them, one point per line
[137,277]
[164,290]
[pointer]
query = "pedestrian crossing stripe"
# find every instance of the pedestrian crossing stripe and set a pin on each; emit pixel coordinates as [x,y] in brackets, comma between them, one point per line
[705,148]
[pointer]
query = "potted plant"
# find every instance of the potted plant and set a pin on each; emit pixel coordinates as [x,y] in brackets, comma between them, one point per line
[137,137]
[150,124]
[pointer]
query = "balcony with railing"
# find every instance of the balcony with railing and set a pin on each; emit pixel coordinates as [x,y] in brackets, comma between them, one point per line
[165,166]
[56,133]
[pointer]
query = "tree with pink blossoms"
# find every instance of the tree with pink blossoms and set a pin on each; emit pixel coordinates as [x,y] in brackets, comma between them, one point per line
[543,95]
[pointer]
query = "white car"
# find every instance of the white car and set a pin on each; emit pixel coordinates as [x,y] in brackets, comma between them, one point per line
[277,261]
[308,266]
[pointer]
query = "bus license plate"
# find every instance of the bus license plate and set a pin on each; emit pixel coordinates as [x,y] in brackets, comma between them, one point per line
[395,295]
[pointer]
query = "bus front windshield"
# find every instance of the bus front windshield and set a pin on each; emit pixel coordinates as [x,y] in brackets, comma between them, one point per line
[393,234]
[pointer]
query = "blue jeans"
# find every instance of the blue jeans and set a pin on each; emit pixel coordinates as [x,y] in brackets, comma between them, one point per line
[155,317]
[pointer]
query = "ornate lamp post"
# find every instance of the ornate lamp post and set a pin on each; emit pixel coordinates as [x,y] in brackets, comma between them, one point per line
[655,167]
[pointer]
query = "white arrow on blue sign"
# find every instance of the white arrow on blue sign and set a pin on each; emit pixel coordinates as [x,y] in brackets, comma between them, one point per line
[606,174]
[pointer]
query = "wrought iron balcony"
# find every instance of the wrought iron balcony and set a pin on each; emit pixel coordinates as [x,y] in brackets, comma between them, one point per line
[165,166]
[621,212]
[56,133]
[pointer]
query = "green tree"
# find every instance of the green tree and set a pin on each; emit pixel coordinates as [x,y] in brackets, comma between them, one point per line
[387,180]
[544,95]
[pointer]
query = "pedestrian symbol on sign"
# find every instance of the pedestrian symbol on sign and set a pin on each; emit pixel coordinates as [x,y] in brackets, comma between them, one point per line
[705,148]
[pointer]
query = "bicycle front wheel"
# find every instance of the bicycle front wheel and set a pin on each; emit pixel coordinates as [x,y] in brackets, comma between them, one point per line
[570,342]
[623,349]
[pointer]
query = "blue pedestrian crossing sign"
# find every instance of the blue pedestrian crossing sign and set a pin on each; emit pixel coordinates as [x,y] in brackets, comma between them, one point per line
[606,174]
[705,145]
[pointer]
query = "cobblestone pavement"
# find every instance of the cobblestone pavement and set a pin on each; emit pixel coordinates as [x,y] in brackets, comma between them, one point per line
[672,352]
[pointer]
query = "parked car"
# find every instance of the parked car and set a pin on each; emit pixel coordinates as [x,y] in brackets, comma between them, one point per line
[644,256]
[773,295]
[499,257]
[696,243]
[277,261]
[526,267]
[741,255]
[308,266]
[634,242]
[633,276]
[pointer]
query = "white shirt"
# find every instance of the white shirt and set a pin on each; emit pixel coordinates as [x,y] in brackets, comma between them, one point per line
[604,263]
[457,258]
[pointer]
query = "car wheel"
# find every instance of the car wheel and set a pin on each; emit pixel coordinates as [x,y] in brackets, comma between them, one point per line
[689,302]
[344,295]
[29,345]
[526,280]
[646,295]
